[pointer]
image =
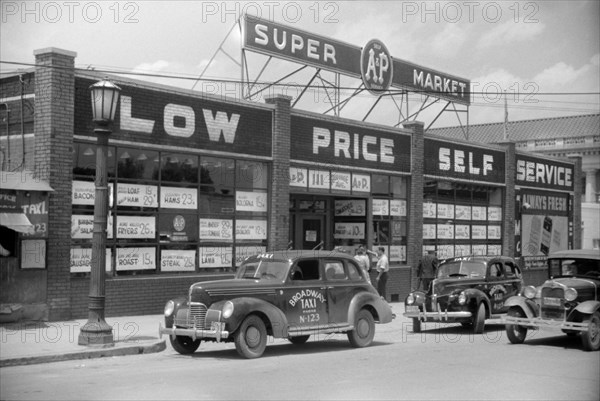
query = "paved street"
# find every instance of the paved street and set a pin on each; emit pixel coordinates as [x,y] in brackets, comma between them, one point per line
[442,363]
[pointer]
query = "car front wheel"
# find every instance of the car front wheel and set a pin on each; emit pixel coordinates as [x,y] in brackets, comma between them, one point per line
[479,320]
[591,337]
[184,345]
[251,337]
[364,330]
[516,334]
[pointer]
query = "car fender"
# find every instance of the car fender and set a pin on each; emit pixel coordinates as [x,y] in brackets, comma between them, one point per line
[527,305]
[180,302]
[588,307]
[382,312]
[478,296]
[245,306]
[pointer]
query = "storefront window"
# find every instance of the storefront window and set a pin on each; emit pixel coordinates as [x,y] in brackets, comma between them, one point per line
[84,163]
[381,184]
[217,172]
[460,219]
[399,187]
[170,212]
[251,174]
[177,167]
[137,164]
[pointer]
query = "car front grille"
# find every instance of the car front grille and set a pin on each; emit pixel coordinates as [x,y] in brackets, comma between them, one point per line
[553,303]
[195,318]
[553,292]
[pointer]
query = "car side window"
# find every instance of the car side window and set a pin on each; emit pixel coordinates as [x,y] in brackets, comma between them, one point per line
[353,271]
[334,270]
[307,269]
[511,270]
[496,270]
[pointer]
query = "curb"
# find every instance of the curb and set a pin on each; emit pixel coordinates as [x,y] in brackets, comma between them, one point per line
[146,348]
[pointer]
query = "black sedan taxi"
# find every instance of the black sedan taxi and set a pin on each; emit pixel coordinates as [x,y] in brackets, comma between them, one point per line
[466,290]
[284,294]
[568,301]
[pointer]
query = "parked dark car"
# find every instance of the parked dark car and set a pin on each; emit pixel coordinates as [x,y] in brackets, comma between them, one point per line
[569,300]
[466,290]
[284,294]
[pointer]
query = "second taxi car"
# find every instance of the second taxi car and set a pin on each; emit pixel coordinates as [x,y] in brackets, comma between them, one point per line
[284,294]
[466,290]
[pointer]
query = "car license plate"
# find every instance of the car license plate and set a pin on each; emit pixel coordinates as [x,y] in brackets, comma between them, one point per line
[552,301]
[412,308]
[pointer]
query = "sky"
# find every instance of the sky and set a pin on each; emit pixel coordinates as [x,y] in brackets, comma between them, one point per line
[544,55]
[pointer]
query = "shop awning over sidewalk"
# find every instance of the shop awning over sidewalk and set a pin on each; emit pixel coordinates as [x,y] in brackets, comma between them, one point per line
[17,221]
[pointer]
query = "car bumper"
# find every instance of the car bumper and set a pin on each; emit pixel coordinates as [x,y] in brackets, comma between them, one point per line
[217,332]
[415,312]
[539,323]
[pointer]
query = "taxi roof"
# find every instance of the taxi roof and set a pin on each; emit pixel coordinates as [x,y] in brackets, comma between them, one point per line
[576,254]
[292,254]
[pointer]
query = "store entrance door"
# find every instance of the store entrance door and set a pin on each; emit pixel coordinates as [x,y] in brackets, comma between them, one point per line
[312,234]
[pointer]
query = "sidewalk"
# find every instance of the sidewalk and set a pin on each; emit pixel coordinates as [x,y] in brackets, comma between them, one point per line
[26,343]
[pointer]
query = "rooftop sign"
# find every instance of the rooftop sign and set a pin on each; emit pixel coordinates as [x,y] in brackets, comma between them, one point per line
[373,63]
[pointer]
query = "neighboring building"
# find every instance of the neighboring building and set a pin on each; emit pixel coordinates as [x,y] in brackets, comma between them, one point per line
[199,182]
[555,137]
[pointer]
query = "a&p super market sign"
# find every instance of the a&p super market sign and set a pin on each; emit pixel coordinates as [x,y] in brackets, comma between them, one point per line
[274,39]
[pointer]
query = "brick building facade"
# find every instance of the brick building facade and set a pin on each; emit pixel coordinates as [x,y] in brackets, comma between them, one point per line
[199,182]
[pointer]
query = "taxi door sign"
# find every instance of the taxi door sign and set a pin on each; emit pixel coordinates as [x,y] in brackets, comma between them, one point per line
[307,306]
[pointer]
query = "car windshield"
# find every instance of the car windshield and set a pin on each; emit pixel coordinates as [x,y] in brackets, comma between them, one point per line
[263,269]
[461,268]
[575,267]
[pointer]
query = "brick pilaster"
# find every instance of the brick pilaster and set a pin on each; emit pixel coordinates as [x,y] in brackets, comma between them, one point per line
[414,249]
[279,212]
[53,128]
[510,196]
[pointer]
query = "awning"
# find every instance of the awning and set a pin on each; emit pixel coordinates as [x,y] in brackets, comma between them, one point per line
[17,221]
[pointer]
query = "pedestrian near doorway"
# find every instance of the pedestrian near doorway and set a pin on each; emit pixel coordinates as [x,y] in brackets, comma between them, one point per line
[427,269]
[383,266]
[364,261]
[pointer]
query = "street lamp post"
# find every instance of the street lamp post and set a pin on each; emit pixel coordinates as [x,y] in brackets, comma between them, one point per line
[105,96]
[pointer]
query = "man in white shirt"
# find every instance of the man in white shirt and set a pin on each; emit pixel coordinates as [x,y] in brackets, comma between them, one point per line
[383,267]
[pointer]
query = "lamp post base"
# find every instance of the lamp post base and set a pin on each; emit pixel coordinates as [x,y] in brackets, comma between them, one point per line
[96,333]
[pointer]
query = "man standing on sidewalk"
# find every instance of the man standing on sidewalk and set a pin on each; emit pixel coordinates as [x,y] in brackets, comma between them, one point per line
[427,269]
[383,267]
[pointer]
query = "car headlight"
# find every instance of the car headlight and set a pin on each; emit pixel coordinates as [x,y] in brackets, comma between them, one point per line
[462,298]
[410,299]
[169,308]
[529,292]
[571,294]
[227,309]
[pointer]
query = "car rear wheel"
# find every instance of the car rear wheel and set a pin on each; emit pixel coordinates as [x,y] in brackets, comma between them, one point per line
[479,319]
[184,345]
[299,339]
[364,330]
[516,334]
[251,337]
[591,338]
[416,325]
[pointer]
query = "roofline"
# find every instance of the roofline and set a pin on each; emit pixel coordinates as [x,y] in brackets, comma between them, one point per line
[518,121]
